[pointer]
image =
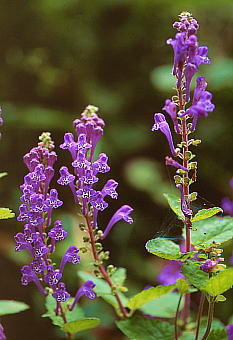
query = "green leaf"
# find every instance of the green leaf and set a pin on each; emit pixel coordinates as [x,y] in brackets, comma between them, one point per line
[147,295]
[80,325]
[182,286]
[12,307]
[3,174]
[174,203]
[103,290]
[138,328]
[212,229]
[219,283]
[197,277]
[190,334]
[119,276]
[6,213]
[206,213]
[75,314]
[167,249]
[218,334]
[164,306]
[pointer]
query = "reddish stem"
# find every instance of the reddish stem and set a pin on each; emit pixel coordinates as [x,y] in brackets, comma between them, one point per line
[101,267]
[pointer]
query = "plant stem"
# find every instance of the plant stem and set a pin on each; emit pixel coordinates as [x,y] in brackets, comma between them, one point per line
[102,268]
[63,315]
[199,314]
[210,319]
[176,318]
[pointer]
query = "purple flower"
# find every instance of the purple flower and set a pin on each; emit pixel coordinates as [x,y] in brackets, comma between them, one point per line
[38,174]
[229,329]
[120,214]
[170,273]
[227,206]
[110,189]
[208,265]
[52,277]
[98,202]
[86,192]
[71,255]
[81,161]
[57,232]
[60,293]
[101,164]
[170,108]
[2,335]
[184,208]
[172,162]
[199,89]
[38,266]
[69,144]
[89,178]
[162,125]
[52,201]
[66,178]
[87,290]
[29,276]
[82,142]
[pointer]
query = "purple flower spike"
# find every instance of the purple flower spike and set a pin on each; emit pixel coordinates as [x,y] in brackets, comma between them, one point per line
[87,290]
[71,255]
[2,335]
[170,108]
[229,329]
[120,214]
[60,293]
[162,125]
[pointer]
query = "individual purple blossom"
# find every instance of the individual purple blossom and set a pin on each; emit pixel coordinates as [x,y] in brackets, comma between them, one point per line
[82,142]
[170,273]
[38,265]
[227,206]
[101,164]
[200,87]
[97,201]
[110,189]
[86,192]
[29,276]
[52,201]
[38,174]
[88,178]
[87,290]
[184,207]
[208,265]
[60,293]
[172,162]
[69,144]
[67,179]
[57,232]
[2,335]
[71,255]
[229,329]
[52,277]
[80,162]
[120,214]
[162,125]
[170,108]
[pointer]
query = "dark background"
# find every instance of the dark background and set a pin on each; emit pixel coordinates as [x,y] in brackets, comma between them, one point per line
[58,56]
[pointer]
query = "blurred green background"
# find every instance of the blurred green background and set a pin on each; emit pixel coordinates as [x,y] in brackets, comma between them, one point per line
[58,56]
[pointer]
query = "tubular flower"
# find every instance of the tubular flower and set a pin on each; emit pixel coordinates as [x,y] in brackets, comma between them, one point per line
[162,125]
[87,290]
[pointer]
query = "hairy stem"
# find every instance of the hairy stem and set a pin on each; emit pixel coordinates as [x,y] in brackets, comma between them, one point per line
[210,319]
[102,268]
[176,318]
[199,314]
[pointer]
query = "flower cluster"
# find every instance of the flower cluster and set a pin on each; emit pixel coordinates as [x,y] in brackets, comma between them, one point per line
[40,233]
[213,254]
[89,130]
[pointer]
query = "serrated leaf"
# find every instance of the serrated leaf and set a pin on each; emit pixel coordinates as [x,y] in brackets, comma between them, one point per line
[50,304]
[80,325]
[12,307]
[197,277]
[6,213]
[212,229]
[206,213]
[103,290]
[164,306]
[3,174]
[174,203]
[218,334]
[219,283]
[167,249]
[147,295]
[138,328]
[183,286]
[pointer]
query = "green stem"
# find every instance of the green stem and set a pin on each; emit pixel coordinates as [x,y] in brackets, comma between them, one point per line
[63,315]
[210,319]
[176,318]
[199,314]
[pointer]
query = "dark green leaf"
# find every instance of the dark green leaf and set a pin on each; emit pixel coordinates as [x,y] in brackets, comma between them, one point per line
[167,249]
[12,307]
[190,335]
[219,283]
[80,325]
[174,203]
[147,295]
[140,328]
[206,213]
[164,306]
[212,229]
[6,213]
[197,277]
[218,334]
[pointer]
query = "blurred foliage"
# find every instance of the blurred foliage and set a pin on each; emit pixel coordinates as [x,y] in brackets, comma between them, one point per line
[59,56]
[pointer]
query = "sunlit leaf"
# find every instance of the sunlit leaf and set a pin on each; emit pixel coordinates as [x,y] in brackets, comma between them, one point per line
[6,213]
[80,325]
[206,213]
[12,307]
